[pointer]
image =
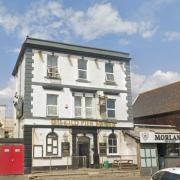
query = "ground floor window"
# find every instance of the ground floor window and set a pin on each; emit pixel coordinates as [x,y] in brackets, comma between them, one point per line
[112,142]
[148,157]
[172,149]
[52,144]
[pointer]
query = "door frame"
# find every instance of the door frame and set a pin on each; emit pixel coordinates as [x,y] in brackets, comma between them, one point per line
[84,140]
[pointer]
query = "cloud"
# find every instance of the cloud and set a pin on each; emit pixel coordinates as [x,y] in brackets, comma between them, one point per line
[8,91]
[141,83]
[51,21]
[15,50]
[171,36]
[101,19]
[148,9]
[124,41]
[8,21]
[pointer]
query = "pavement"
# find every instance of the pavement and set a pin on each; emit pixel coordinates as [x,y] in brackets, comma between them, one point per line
[85,177]
[80,174]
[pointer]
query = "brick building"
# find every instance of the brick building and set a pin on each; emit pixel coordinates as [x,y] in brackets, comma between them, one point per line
[159,106]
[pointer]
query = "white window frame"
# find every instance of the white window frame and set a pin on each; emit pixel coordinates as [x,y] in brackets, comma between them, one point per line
[89,108]
[78,107]
[53,138]
[112,146]
[55,106]
[52,71]
[83,107]
[111,109]
[83,70]
[109,73]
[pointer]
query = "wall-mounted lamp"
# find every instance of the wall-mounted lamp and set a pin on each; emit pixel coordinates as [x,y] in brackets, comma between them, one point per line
[66,106]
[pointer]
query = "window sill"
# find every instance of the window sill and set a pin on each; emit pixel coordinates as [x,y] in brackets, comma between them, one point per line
[83,80]
[113,155]
[56,78]
[53,117]
[110,83]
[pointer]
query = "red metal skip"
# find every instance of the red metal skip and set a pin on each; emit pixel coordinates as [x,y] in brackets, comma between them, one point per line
[11,159]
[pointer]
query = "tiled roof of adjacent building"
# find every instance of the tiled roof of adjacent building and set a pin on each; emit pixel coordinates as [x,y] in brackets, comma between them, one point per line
[54,46]
[158,101]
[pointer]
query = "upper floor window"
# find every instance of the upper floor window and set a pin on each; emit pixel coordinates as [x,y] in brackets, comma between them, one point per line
[112,142]
[78,106]
[52,66]
[83,106]
[82,69]
[110,108]
[52,105]
[52,144]
[89,106]
[109,72]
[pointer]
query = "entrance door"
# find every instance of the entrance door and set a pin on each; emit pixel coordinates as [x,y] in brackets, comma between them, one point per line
[11,159]
[83,148]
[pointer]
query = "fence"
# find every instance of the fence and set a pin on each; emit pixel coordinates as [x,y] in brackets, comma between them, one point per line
[79,162]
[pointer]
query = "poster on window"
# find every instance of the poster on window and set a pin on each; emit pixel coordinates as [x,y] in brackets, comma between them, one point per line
[65,147]
[102,149]
[38,151]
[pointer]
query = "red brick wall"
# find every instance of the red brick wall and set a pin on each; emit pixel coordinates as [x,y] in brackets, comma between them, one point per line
[164,119]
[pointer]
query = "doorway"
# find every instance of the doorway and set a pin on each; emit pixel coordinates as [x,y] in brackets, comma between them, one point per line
[83,151]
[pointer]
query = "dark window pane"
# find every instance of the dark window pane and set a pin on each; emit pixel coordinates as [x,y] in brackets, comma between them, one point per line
[82,74]
[109,67]
[110,150]
[114,142]
[78,101]
[82,64]
[114,149]
[111,103]
[110,141]
[51,99]
[52,61]
[111,113]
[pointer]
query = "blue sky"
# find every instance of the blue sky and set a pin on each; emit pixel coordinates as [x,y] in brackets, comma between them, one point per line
[149,30]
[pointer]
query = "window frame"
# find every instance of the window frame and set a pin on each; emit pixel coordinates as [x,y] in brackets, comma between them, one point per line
[149,157]
[110,109]
[81,69]
[51,69]
[78,107]
[89,107]
[109,73]
[50,105]
[113,139]
[55,138]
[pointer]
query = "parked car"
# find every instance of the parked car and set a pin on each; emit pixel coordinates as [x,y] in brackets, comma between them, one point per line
[167,174]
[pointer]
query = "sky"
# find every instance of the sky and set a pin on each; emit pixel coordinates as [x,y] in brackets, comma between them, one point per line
[148,30]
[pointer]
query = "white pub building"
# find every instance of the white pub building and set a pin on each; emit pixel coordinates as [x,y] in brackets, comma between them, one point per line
[72,104]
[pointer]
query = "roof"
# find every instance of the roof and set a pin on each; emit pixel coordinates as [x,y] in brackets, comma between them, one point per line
[70,49]
[165,99]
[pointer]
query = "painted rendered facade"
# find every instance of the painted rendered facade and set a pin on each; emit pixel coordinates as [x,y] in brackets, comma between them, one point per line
[70,102]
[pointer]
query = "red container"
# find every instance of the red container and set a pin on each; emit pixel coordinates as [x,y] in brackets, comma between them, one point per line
[11,159]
